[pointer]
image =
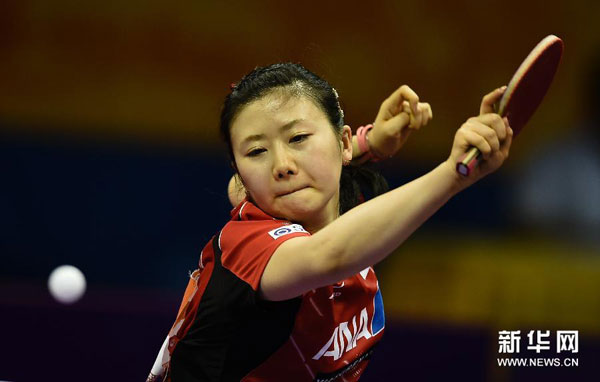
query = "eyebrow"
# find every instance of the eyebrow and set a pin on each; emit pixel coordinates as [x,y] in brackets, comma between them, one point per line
[287,126]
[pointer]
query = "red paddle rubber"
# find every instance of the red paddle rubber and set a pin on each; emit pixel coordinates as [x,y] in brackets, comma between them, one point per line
[524,93]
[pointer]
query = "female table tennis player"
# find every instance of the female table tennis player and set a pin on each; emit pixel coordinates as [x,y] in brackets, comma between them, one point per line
[285,291]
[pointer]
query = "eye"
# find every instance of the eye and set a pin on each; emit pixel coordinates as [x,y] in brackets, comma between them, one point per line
[255,152]
[298,138]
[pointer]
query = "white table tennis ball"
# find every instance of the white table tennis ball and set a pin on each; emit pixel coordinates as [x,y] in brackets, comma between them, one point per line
[66,284]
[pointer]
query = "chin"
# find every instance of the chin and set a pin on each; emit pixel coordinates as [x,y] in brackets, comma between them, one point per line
[304,211]
[297,213]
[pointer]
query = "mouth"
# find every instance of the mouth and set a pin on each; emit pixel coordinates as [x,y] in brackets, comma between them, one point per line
[291,192]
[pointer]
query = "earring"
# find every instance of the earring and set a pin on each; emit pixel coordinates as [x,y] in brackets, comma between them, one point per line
[345,162]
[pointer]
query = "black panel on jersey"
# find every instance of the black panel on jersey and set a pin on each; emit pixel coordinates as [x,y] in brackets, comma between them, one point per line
[234,330]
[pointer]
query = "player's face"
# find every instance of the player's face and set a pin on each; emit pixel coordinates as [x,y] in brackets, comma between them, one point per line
[290,159]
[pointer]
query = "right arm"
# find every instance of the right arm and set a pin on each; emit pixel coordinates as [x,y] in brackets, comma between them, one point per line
[369,232]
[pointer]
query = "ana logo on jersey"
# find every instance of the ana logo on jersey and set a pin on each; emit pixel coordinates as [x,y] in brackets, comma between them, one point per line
[286,230]
[344,339]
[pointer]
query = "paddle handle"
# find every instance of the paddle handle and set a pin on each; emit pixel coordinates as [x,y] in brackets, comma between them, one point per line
[469,161]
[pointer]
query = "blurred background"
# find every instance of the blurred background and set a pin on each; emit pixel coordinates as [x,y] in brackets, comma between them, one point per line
[111,162]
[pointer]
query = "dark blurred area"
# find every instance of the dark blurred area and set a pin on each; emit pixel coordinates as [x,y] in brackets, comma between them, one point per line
[112,163]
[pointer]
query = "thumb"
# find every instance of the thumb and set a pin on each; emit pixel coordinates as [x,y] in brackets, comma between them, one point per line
[398,123]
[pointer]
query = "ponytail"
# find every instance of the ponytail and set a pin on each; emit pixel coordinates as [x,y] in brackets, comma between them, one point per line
[358,184]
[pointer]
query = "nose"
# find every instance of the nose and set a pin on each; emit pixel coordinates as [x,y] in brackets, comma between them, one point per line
[284,165]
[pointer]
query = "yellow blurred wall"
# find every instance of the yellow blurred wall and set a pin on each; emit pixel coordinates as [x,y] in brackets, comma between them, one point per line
[158,71]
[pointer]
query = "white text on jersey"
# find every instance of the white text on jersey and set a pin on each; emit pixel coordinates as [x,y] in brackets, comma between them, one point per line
[343,339]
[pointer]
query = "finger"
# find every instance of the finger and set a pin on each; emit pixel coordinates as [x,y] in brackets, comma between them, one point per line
[505,147]
[393,104]
[476,140]
[412,97]
[406,107]
[488,101]
[495,122]
[484,131]
[398,123]
[425,110]
[489,135]
[421,118]
[416,120]
[430,112]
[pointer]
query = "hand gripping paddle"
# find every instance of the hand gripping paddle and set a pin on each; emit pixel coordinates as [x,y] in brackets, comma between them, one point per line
[524,92]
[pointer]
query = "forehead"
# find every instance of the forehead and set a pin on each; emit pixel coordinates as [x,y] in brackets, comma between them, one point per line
[275,110]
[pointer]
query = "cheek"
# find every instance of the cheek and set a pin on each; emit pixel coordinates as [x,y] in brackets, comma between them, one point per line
[326,163]
[254,178]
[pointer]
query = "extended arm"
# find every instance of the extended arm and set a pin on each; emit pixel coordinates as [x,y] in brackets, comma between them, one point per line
[369,232]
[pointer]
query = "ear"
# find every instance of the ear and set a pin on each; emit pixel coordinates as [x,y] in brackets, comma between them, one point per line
[346,143]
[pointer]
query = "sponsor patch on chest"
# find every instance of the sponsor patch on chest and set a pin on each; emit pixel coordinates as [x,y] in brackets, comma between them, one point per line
[286,230]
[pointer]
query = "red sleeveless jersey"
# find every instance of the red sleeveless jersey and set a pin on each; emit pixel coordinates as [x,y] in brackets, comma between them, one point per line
[225,332]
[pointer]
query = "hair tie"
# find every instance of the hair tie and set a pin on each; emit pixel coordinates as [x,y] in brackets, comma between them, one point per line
[232,86]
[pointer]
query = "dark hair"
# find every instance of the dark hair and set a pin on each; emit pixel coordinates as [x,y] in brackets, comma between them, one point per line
[356,182]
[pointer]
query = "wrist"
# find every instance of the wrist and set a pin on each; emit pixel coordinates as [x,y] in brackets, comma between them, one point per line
[457,181]
[365,146]
[373,147]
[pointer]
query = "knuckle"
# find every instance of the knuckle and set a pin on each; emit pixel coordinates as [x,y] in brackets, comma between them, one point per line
[490,134]
[485,148]
[407,89]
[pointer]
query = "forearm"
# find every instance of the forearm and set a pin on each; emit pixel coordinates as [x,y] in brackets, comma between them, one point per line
[369,232]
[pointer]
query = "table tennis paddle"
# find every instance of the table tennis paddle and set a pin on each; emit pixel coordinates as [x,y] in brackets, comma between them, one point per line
[524,92]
